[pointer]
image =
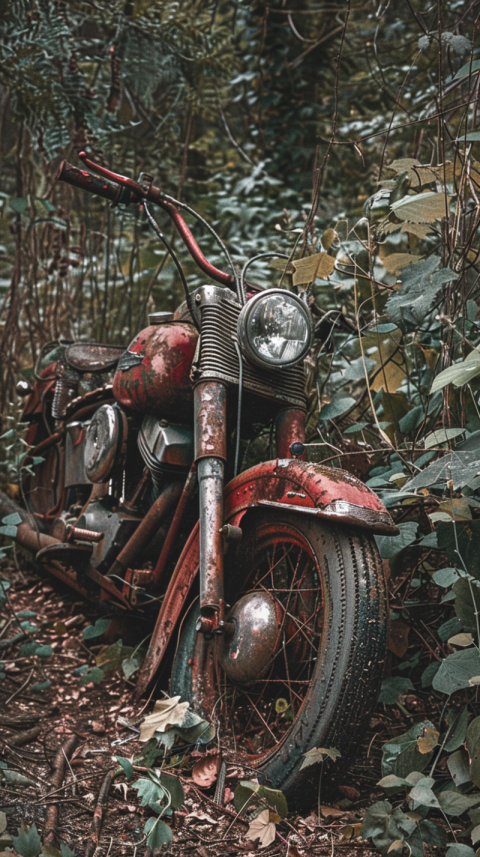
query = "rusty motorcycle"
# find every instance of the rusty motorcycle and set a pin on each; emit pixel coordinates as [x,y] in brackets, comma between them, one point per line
[267,585]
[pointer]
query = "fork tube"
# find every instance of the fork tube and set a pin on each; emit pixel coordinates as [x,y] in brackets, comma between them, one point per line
[210,403]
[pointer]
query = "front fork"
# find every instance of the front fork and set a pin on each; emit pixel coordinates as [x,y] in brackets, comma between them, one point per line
[210,403]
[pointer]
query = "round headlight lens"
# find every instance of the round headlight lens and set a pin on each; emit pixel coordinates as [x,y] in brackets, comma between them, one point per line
[275,329]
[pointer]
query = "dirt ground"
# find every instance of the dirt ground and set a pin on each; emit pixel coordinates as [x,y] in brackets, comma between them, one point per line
[43,703]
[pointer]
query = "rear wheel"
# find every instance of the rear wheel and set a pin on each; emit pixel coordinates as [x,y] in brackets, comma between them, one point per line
[304,659]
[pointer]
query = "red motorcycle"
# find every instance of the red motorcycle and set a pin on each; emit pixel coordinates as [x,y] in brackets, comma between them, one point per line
[268,587]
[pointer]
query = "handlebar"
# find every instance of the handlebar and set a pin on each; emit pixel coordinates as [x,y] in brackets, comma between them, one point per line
[120,189]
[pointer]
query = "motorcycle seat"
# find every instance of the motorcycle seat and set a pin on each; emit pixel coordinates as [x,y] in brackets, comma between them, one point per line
[93,356]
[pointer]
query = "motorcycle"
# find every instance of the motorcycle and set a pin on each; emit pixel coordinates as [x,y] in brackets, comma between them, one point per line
[266,584]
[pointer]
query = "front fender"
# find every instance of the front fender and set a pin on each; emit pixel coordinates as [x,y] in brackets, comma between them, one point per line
[311,489]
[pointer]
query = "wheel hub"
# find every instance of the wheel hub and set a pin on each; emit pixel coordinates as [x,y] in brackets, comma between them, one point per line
[247,653]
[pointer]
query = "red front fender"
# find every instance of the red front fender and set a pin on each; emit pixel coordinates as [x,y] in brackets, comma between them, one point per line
[312,489]
[285,483]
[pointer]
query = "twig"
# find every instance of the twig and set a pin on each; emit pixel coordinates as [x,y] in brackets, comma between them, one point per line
[4,644]
[24,737]
[19,689]
[97,821]
[59,765]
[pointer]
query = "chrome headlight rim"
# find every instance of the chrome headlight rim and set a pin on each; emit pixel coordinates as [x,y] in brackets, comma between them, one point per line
[247,348]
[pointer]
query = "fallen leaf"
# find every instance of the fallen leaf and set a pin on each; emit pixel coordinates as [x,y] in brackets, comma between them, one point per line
[205,771]
[202,816]
[331,812]
[397,640]
[350,792]
[317,754]
[461,640]
[351,831]
[396,845]
[427,741]
[262,828]
[166,713]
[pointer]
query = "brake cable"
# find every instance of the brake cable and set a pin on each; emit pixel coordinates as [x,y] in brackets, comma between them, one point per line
[161,236]
[240,292]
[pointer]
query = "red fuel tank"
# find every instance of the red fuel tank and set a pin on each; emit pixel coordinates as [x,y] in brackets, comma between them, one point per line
[153,375]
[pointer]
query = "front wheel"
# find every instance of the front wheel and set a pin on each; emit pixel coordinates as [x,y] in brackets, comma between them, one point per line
[302,662]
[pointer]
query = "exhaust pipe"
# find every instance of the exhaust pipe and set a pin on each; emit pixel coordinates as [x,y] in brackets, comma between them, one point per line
[28,535]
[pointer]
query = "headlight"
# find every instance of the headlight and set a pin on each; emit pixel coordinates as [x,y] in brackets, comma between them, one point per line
[275,329]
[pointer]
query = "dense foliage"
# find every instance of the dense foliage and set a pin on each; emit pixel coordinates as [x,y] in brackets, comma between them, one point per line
[345,135]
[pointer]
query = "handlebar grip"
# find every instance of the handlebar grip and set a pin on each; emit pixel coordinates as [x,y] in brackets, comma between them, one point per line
[85,181]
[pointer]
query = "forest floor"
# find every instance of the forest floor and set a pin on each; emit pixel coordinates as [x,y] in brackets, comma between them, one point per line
[43,703]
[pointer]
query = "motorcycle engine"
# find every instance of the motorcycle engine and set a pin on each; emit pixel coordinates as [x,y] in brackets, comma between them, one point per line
[166,448]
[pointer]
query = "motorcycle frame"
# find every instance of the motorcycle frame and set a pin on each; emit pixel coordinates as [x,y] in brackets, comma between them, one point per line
[286,482]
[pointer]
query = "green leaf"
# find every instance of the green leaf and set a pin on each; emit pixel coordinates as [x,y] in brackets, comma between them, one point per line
[385,825]
[392,689]
[422,207]
[110,658]
[458,765]
[467,603]
[149,792]
[458,374]
[158,833]
[27,843]
[429,672]
[66,850]
[131,665]
[388,546]
[13,519]
[44,651]
[456,671]
[173,788]
[95,674]
[247,794]
[41,685]
[458,719]
[422,793]
[454,803]
[459,850]
[472,137]
[96,630]
[445,577]
[3,822]
[465,71]
[421,285]
[473,747]
[336,408]
[15,778]
[19,204]
[126,765]
[401,756]
[441,436]
[460,467]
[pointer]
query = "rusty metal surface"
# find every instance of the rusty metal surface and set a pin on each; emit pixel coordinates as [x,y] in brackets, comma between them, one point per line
[175,597]
[187,493]
[289,428]
[257,623]
[75,455]
[159,383]
[309,488]
[145,531]
[210,482]
[210,420]
[218,357]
